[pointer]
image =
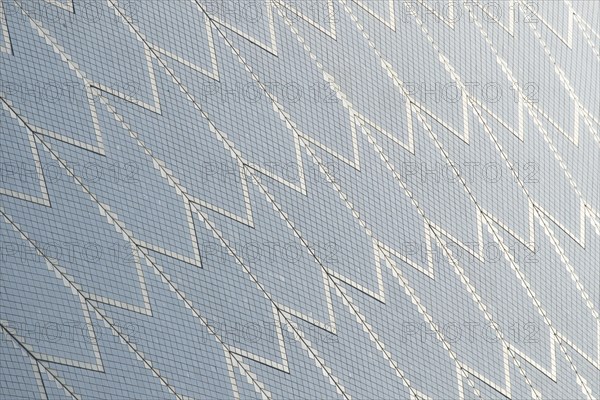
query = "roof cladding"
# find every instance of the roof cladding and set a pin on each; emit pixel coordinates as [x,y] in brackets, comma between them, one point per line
[299,199]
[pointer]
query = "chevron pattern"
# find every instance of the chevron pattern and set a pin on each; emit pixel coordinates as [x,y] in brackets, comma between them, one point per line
[300,199]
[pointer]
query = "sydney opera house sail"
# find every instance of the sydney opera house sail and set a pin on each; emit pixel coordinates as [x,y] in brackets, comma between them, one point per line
[300,199]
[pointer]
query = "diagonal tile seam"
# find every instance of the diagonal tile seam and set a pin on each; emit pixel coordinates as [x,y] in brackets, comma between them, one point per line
[510,29]
[36,364]
[407,288]
[352,110]
[105,210]
[68,282]
[587,115]
[480,305]
[574,276]
[586,23]
[251,378]
[578,238]
[54,377]
[67,6]
[154,108]
[330,79]
[586,30]
[584,205]
[513,357]
[390,8]
[319,361]
[231,250]
[574,16]
[5,33]
[568,40]
[214,74]
[282,112]
[88,83]
[330,10]
[513,264]
[257,180]
[558,337]
[99,146]
[44,199]
[38,377]
[303,141]
[582,213]
[83,303]
[355,163]
[211,74]
[215,232]
[196,260]
[536,107]
[232,378]
[114,221]
[362,319]
[489,221]
[12,334]
[269,48]
[341,195]
[158,270]
[340,290]
[581,110]
[538,214]
[333,282]
[93,296]
[62,360]
[580,107]
[444,245]
[173,182]
[141,356]
[291,124]
[221,135]
[282,313]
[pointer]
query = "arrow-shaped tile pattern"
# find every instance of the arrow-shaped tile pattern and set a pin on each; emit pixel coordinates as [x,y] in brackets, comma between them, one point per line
[299,199]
